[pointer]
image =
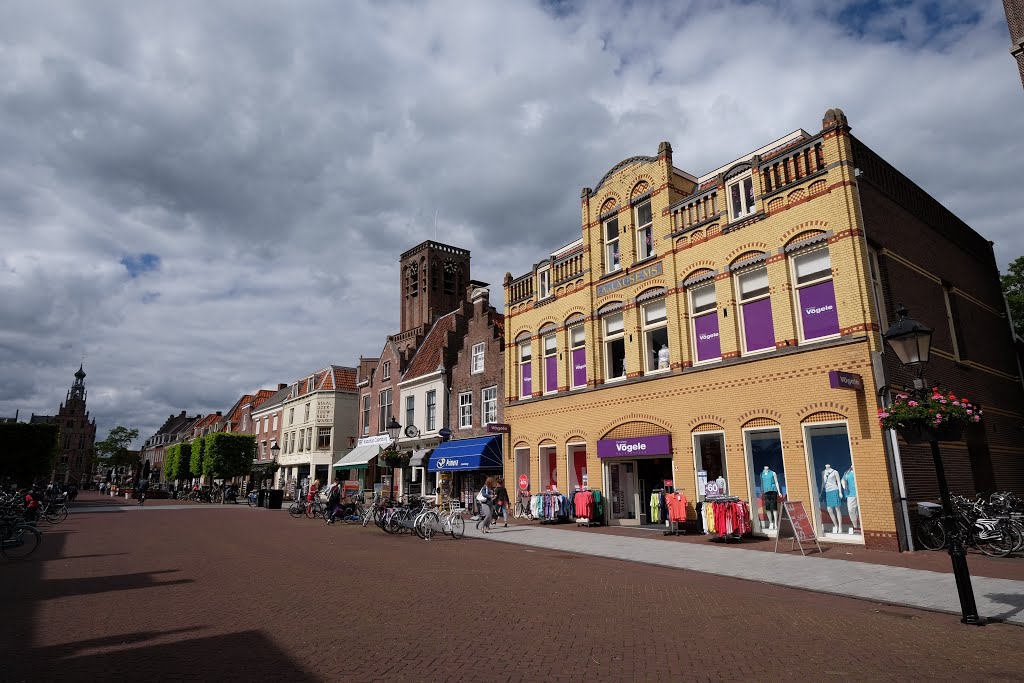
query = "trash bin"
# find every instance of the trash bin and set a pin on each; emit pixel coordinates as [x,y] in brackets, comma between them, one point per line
[274,499]
[261,498]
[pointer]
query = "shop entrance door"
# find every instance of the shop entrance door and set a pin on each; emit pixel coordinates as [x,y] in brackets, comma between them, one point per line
[622,493]
[651,476]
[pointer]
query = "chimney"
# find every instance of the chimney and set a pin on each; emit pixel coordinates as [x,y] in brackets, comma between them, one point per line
[218,413]
[182,414]
[281,386]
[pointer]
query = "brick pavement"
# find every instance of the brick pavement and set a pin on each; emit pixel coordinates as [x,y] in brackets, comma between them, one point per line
[236,593]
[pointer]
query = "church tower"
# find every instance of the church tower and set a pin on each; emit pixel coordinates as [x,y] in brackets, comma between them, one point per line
[434,278]
[77,434]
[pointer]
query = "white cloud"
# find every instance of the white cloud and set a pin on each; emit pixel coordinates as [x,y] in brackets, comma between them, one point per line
[277,158]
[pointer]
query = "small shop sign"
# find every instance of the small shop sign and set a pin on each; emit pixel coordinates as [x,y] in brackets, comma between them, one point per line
[635,446]
[837,379]
[803,531]
[499,428]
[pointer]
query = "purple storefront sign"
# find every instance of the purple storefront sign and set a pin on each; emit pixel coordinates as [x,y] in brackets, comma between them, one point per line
[635,447]
[758,329]
[527,381]
[551,374]
[818,310]
[837,379]
[579,367]
[706,331]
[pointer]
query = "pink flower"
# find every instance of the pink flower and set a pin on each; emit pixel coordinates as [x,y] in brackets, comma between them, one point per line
[882,414]
[970,412]
[912,404]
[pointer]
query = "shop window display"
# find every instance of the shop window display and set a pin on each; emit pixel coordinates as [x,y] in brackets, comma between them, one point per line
[768,471]
[709,457]
[834,480]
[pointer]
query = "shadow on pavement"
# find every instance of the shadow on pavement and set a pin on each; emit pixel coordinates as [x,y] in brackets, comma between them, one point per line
[59,588]
[1014,600]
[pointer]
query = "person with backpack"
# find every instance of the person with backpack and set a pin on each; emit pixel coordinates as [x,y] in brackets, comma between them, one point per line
[141,491]
[485,498]
[333,501]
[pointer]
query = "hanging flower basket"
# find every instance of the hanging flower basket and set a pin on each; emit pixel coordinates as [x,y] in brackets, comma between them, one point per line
[392,458]
[931,417]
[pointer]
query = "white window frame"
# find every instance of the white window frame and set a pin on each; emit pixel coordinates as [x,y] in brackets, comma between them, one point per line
[649,328]
[742,300]
[431,411]
[309,438]
[478,359]
[291,416]
[275,422]
[245,424]
[386,370]
[525,354]
[309,384]
[797,286]
[745,183]
[608,339]
[266,425]
[321,432]
[410,410]
[307,413]
[612,251]
[645,230]
[695,314]
[466,410]
[384,398]
[946,291]
[366,415]
[548,349]
[489,405]
[544,282]
[576,343]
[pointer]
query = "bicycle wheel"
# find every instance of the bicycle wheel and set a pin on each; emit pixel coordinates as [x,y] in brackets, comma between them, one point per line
[22,542]
[311,510]
[520,510]
[458,526]
[252,500]
[997,546]
[57,515]
[430,523]
[368,516]
[931,535]
[296,509]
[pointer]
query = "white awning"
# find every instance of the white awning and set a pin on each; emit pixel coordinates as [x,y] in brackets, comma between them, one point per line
[419,458]
[360,456]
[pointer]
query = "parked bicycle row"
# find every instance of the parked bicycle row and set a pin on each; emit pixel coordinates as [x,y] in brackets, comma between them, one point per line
[995,526]
[21,512]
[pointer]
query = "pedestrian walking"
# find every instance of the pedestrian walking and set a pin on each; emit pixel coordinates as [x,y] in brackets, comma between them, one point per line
[485,498]
[333,500]
[141,491]
[501,500]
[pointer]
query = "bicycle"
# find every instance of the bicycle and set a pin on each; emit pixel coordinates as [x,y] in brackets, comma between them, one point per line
[993,536]
[315,508]
[522,509]
[253,499]
[20,539]
[297,508]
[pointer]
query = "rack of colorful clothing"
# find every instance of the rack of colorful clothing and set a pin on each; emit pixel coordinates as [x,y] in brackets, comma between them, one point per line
[550,507]
[673,506]
[726,517]
[587,507]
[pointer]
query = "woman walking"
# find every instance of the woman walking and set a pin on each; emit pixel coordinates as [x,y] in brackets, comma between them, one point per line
[485,498]
[501,499]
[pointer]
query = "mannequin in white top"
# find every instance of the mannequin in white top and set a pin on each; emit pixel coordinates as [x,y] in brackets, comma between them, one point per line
[721,485]
[663,359]
[833,490]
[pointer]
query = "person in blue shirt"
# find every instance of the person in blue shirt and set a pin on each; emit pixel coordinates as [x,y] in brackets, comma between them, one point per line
[852,503]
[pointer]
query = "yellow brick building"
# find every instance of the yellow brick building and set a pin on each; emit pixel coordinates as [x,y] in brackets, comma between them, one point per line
[695,324]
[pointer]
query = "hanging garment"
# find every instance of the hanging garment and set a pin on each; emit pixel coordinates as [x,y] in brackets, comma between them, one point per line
[655,507]
[676,507]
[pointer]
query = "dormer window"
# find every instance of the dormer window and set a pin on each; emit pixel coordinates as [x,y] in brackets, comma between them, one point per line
[544,283]
[309,384]
[741,197]
[644,231]
[386,370]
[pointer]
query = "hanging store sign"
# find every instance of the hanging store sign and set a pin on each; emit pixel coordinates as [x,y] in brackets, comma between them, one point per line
[803,531]
[635,446]
[646,273]
[837,379]
[499,428]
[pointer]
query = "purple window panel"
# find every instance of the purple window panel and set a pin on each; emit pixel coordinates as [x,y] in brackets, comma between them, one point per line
[818,310]
[527,380]
[758,329]
[579,367]
[706,331]
[551,373]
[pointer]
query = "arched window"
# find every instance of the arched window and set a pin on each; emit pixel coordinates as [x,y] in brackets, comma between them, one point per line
[614,342]
[654,319]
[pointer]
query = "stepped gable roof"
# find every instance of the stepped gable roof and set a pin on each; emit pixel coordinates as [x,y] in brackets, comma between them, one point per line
[498,320]
[430,354]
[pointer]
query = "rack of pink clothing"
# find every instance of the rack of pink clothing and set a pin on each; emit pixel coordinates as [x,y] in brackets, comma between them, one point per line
[726,517]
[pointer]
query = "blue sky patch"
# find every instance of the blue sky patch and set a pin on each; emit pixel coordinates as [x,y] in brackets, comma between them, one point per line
[137,264]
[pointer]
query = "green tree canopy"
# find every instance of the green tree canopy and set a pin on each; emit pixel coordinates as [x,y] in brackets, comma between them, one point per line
[197,454]
[172,458]
[228,455]
[28,451]
[1013,287]
[114,451]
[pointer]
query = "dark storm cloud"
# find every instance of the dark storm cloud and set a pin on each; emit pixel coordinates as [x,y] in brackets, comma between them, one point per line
[277,158]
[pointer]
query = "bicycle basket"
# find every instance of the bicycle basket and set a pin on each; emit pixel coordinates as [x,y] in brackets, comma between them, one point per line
[929,510]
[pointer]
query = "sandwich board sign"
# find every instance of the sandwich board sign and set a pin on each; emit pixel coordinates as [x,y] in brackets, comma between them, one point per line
[803,531]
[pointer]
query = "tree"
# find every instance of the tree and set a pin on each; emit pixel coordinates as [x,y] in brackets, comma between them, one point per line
[28,451]
[198,453]
[1013,288]
[228,455]
[172,457]
[113,451]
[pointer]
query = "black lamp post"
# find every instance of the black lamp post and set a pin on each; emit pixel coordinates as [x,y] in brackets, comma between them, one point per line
[911,342]
[394,429]
[275,451]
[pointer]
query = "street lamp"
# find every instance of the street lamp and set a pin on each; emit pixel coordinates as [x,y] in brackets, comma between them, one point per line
[275,451]
[911,342]
[394,429]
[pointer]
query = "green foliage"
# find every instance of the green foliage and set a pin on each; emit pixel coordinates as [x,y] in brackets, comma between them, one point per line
[113,450]
[172,458]
[184,461]
[1013,288]
[228,455]
[196,458]
[928,410]
[28,451]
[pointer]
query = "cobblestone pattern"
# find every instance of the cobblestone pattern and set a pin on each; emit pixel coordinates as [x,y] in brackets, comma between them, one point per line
[237,593]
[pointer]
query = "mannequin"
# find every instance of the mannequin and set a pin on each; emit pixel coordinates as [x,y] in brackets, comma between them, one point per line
[831,487]
[852,504]
[663,357]
[770,495]
[721,484]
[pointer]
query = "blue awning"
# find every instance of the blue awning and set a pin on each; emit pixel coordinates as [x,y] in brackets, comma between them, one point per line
[482,453]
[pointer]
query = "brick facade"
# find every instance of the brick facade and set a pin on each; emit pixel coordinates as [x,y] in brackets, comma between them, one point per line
[1015,22]
[806,201]
[484,325]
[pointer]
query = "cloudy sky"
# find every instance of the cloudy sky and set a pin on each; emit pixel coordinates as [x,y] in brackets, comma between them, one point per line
[205,198]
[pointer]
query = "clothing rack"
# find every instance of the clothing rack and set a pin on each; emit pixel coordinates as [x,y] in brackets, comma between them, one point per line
[674,504]
[587,506]
[727,517]
[551,507]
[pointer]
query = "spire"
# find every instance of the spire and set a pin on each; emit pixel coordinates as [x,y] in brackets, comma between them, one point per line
[80,375]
